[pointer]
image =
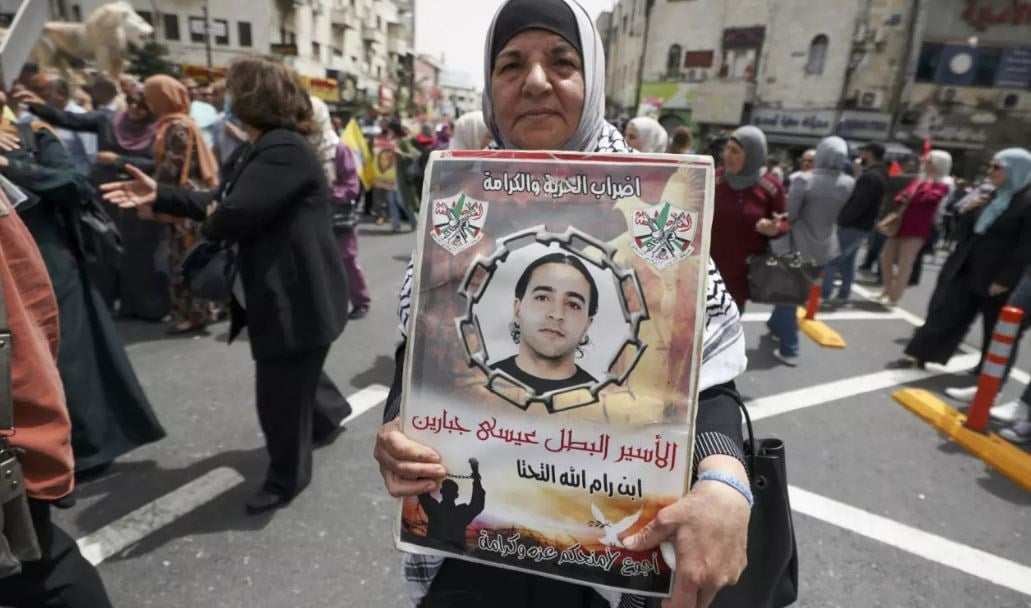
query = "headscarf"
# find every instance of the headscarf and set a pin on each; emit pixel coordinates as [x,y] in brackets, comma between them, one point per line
[831,153]
[169,101]
[134,135]
[469,132]
[942,163]
[323,138]
[753,141]
[650,133]
[515,16]
[1017,162]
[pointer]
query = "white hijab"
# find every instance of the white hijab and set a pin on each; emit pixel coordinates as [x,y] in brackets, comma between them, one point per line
[469,132]
[651,135]
[592,127]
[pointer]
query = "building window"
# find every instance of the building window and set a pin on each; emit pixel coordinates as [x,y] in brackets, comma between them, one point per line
[929,62]
[197,29]
[817,55]
[221,30]
[316,49]
[147,16]
[62,10]
[698,59]
[673,61]
[171,26]
[77,13]
[986,66]
[243,31]
[624,23]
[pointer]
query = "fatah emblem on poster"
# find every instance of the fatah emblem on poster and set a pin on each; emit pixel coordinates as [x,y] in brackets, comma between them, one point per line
[664,236]
[553,358]
[458,222]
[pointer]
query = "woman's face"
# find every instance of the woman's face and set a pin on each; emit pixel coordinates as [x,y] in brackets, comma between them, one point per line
[632,138]
[996,173]
[137,107]
[733,157]
[931,172]
[538,90]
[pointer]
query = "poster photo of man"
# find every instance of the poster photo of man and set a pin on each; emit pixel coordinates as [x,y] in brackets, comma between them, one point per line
[551,319]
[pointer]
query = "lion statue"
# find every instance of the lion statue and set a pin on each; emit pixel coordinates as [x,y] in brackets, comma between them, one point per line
[104,37]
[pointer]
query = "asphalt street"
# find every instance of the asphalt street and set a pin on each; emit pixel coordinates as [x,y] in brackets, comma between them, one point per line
[888,513]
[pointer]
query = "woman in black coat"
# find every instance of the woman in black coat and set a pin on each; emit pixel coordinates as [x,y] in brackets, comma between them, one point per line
[992,253]
[290,290]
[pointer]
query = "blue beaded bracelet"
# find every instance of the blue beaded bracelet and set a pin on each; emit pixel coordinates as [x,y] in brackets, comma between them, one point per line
[731,481]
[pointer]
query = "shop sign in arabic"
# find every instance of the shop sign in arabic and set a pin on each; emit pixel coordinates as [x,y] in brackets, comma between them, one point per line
[795,122]
[864,125]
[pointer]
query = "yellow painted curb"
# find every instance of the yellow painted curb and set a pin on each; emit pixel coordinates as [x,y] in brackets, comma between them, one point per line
[821,333]
[995,451]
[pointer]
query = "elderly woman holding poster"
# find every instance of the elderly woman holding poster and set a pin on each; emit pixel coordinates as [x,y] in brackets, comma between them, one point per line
[544,90]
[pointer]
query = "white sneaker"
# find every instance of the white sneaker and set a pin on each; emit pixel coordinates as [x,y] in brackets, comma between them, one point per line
[962,394]
[1020,432]
[1011,411]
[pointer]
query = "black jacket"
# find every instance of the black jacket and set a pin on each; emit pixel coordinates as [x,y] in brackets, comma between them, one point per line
[863,206]
[1000,255]
[275,204]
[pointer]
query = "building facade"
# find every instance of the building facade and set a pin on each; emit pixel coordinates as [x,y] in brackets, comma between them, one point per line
[350,52]
[968,85]
[623,31]
[956,72]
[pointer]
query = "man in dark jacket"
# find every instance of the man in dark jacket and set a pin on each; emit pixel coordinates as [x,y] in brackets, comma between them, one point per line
[857,220]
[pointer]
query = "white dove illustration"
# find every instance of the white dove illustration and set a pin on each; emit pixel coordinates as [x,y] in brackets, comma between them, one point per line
[613,530]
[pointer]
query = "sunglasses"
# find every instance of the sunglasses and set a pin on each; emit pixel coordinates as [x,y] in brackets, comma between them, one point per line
[995,167]
[139,103]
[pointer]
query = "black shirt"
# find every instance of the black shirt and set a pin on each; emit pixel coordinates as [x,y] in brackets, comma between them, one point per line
[542,385]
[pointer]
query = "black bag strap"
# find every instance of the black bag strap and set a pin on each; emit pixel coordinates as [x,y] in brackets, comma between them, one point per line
[750,446]
[6,407]
[28,139]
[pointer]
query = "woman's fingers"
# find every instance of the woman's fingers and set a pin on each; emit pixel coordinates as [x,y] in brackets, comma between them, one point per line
[408,467]
[114,186]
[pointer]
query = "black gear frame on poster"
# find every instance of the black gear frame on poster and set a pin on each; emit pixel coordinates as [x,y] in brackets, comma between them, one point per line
[477,280]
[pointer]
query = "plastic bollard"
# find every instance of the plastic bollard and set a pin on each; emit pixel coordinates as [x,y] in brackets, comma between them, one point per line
[813,304]
[994,367]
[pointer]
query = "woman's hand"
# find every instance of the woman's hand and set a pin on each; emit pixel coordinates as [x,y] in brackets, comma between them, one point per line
[408,468]
[709,528]
[106,158]
[767,227]
[974,203]
[997,290]
[141,190]
[9,141]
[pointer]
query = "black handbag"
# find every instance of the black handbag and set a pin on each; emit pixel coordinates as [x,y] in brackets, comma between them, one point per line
[780,279]
[209,269]
[18,541]
[770,580]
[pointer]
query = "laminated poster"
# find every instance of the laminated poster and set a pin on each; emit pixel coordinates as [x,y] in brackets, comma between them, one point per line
[553,359]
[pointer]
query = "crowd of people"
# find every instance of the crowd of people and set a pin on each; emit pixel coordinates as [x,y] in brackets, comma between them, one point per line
[253,166]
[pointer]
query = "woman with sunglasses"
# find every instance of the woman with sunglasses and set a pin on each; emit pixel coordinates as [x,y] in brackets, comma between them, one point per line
[140,278]
[992,252]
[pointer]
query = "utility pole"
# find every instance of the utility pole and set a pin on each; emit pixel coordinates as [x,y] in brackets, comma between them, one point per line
[207,38]
[644,54]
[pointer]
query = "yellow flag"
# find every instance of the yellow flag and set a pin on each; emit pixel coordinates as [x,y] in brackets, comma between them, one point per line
[355,140]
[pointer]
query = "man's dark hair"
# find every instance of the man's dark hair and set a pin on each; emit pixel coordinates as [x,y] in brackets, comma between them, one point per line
[559,258]
[104,90]
[876,149]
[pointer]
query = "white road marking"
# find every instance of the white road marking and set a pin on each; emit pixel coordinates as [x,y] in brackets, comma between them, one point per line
[841,315]
[132,528]
[366,399]
[929,546]
[819,394]
[118,535]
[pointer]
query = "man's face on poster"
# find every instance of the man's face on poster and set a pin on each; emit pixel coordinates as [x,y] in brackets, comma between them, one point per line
[552,314]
